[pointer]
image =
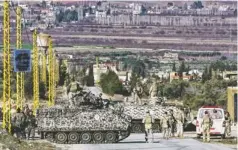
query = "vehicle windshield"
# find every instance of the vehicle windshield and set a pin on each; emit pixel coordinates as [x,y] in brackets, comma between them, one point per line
[214,115]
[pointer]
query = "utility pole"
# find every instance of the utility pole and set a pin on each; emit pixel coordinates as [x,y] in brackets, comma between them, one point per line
[35,73]
[6,68]
[19,75]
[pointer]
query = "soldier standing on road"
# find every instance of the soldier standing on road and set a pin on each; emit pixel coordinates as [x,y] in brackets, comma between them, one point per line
[172,123]
[165,126]
[24,123]
[206,125]
[18,120]
[31,125]
[228,124]
[148,121]
[179,123]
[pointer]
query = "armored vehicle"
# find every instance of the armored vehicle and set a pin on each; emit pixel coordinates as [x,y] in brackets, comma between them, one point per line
[138,112]
[84,123]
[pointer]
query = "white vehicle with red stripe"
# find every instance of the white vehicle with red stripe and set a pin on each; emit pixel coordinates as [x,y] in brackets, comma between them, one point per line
[217,115]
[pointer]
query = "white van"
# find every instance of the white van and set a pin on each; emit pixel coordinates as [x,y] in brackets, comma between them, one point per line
[218,117]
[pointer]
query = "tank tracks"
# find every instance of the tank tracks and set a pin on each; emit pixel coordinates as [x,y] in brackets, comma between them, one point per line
[86,137]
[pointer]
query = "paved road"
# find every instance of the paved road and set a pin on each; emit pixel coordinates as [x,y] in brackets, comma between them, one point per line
[136,142]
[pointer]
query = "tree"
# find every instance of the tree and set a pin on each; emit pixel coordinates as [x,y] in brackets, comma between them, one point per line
[90,77]
[207,74]
[62,73]
[82,76]
[52,3]
[99,3]
[28,85]
[108,11]
[181,69]
[174,67]
[43,4]
[187,69]
[170,4]
[185,6]
[60,16]
[38,18]
[42,90]
[139,68]
[110,83]
[133,80]
[197,5]
[143,10]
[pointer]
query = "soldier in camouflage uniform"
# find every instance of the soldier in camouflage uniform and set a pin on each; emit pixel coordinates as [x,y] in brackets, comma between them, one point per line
[165,126]
[228,124]
[206,125]
[31,125]
[26,109]
[24,123]
[172,123]
[148,121]
[73,89]
[18,121]
[179,123]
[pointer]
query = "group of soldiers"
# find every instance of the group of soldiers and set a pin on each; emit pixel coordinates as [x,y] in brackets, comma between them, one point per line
[24,123]
[169,122]
[138,92]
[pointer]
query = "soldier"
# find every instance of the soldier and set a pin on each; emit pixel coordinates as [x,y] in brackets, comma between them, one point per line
[18,120]
[24,123]
[228,124]
[99,101]
[179,123]
[73,89]
[148,121]
[31,125]
[26,109]
[206,125]
[172,123]
[138,94]
[165,126]
[153,93]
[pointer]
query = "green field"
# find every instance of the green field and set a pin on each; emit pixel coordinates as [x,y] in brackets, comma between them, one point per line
[24,46]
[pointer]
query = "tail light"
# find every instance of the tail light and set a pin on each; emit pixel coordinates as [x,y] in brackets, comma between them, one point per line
[197,123]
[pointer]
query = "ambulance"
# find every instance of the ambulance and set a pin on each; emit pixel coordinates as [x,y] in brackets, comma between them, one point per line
[217,115]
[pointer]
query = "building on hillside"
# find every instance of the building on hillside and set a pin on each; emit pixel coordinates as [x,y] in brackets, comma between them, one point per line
[229,75]
[175,76]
